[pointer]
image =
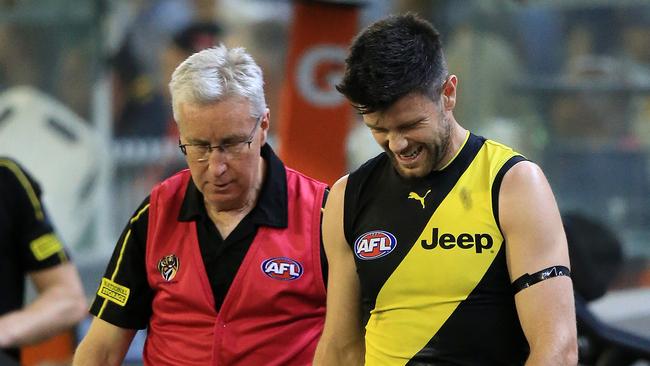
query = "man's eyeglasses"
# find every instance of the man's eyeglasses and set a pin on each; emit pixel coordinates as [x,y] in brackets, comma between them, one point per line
[201,152]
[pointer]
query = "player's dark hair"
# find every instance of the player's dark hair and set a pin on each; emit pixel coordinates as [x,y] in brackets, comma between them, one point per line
[391,58]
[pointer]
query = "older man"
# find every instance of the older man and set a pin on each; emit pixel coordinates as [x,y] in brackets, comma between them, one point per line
[221,263]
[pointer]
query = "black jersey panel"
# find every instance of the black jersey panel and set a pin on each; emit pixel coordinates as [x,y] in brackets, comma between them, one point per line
[496,186]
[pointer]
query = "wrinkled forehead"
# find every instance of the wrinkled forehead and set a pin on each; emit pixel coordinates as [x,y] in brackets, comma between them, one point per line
[216,122]
[408,109]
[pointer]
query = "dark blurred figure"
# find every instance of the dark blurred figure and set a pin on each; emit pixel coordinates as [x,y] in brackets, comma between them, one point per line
[139,110]
[596,255]
[190,39]
[140,107]
[30,247]
[596,259]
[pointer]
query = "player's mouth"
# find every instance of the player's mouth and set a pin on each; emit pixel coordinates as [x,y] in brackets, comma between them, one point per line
[409,156]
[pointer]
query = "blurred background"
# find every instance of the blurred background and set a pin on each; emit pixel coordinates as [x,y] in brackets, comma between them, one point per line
[84,106]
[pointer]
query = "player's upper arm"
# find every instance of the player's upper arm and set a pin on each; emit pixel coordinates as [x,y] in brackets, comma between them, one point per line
[343,284]
[62,280]
[530,221]
[535,240]
[104,345]
[342,340]
[333,233]
[64,274]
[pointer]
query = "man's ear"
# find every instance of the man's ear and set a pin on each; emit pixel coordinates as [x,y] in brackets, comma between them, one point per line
[265,124]
[449,92]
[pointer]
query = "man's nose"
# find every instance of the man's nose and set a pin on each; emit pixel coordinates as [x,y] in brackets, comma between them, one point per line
[396,142]
[217,164]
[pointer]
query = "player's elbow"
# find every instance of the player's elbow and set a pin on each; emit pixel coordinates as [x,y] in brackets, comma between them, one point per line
[72,306]
[571,352]
[569,348]
[78,308]
[567,356]
[561,351]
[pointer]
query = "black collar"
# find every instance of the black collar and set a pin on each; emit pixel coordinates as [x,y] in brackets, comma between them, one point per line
[271,208]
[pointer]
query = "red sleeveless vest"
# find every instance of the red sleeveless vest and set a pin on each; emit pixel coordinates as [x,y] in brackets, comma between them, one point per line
[274,310]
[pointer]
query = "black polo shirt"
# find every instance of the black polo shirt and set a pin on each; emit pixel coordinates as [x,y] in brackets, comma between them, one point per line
[221,257]
[27,239]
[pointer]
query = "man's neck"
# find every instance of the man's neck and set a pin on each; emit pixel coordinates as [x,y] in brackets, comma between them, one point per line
[456,142]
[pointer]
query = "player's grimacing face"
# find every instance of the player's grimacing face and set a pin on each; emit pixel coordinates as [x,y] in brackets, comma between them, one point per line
[414,132]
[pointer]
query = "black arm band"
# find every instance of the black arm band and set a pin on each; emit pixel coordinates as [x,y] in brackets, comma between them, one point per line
[528,280]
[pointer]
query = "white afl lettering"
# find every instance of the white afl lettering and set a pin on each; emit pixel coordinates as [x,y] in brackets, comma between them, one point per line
[287,267]
[375,242]
[365,246]
[383,246]
[273,268]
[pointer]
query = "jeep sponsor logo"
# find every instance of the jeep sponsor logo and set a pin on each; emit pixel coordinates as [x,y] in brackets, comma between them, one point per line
[479,242]
[374,244]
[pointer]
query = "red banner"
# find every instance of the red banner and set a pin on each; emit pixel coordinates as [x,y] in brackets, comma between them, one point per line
[314,116]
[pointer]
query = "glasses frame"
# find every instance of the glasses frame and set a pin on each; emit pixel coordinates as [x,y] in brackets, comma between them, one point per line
[221,147]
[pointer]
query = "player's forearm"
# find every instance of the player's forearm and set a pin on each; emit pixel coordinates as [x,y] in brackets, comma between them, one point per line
[54,310]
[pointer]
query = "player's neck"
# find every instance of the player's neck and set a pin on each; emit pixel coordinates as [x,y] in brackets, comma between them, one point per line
[457,140]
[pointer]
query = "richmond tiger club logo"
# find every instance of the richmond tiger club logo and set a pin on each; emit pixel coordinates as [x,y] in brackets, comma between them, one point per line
[282,268]
[374,244]
[168,267]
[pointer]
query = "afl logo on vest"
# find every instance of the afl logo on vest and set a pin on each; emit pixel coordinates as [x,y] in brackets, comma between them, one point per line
[282,268]
[168,267]
[374,244]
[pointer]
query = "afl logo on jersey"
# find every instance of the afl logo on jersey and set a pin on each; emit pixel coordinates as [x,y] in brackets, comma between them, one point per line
[168,267]
[282,268]
[374,244]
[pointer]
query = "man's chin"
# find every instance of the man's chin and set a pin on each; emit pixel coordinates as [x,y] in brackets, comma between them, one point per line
[415,171]
[220,201]
[411,172]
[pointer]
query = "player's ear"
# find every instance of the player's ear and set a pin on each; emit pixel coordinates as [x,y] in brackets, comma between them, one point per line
[448,92]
